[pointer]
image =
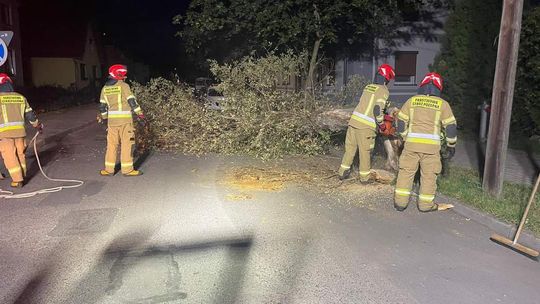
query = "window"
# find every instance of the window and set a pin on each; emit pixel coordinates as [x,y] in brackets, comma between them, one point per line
[83,72]
[406,67]
[5,14]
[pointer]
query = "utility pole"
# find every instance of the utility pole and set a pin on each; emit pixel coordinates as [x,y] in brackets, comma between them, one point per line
[502,96]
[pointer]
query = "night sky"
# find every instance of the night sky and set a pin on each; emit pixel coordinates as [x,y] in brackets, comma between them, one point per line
[142,29]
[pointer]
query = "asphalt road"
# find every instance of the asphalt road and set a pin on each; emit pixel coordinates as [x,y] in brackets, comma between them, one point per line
[171,236]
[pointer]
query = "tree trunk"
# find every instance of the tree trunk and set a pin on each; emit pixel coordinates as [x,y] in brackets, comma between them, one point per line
[315,53]
[313,64]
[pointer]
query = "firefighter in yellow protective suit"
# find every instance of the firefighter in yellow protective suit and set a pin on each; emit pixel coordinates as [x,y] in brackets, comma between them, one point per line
[368,116]
[117,106]
[420,123]
[14,111]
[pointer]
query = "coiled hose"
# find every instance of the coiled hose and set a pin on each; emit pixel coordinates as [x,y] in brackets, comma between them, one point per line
[11,195]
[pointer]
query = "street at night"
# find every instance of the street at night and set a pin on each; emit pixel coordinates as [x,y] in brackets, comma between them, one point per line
[177,237]
[297,151]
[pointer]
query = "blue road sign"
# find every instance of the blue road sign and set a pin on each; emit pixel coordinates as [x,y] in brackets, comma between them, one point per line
[5,39]
[3,52]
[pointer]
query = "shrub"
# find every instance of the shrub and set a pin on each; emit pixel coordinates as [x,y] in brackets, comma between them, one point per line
[257,118]
[51,98]
[468,56]
[526,108]
[351,92]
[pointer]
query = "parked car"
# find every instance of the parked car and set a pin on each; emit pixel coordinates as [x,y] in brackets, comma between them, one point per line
[214,99]
[201,85]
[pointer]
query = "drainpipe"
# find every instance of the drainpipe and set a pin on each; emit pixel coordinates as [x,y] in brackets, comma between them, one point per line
[374,60]
[484,113]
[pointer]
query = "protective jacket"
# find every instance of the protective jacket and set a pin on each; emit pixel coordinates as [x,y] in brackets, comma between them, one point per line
[370,110]
[422,119]
[117,103]
[14,111]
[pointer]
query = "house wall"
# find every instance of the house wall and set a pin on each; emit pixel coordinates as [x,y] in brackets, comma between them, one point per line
[346,68]
[14,65]
[54,72]
[426,56]
[91,61]
[399,93]
[73,73]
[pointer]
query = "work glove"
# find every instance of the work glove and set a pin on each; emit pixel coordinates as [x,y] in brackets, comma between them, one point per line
[450,152]
[103,122]
[100,120]
[39,128]
[382,127]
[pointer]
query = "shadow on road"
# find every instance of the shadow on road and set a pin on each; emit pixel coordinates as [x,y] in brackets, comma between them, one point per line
[142,158]
[32,289]
[115,266]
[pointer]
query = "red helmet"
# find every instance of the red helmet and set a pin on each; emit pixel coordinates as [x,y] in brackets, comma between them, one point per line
[118,71]
[387,72]
[435,78]
[5,78]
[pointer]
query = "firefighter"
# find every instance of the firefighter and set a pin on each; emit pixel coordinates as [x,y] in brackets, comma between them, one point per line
[14,111]
[365,120]
[420,123]
[117,106]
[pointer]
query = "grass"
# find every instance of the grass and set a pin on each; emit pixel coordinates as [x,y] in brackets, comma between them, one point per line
[466,186]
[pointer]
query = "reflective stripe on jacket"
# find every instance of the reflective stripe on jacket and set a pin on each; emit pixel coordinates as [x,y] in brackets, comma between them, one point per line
[363,116]
[13,107]
[118,109]
[425,117]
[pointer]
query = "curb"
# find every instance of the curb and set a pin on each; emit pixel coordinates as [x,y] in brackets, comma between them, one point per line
[498,226]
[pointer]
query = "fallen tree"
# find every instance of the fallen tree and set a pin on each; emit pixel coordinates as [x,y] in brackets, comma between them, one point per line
[257,118]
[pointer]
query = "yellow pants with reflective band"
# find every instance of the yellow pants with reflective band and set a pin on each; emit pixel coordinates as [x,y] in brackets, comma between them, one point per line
[123,136]
[12,150]
[20,145]
[430,167]
[362,140]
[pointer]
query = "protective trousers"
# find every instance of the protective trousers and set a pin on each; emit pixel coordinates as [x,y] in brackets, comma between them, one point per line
[124,137]
[430,167]
[12,150]
[362,140]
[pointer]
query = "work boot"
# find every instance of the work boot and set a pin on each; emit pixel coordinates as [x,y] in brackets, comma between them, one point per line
[134,173]
[368,181]
[105,173]
[399,208]
[17,184]
[345,175]
[436,207]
